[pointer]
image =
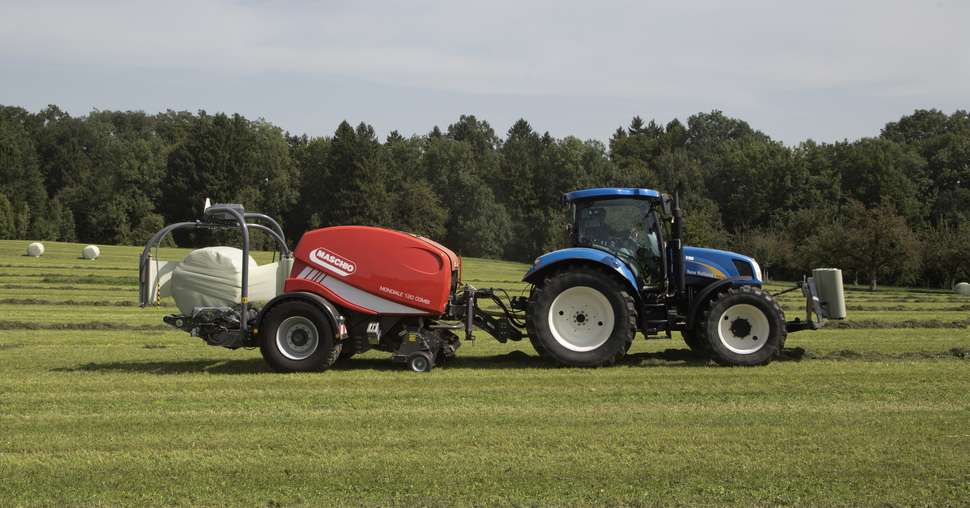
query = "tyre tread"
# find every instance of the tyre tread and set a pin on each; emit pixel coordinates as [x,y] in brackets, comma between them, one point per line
[532,316]
[744,290]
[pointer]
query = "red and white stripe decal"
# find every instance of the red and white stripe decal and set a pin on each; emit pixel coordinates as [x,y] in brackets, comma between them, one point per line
[311,274]
[356,295]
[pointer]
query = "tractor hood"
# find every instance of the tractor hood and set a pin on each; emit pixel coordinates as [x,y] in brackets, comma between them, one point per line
[720,264]
[698,263]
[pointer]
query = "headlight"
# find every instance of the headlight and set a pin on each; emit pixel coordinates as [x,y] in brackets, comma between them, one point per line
[756,268]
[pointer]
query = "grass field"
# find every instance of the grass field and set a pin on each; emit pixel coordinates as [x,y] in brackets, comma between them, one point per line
[101,404]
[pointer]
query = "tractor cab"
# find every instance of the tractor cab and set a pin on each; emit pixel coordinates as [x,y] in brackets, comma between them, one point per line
[625,223]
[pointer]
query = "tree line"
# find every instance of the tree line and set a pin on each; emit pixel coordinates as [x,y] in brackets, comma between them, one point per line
[892,208]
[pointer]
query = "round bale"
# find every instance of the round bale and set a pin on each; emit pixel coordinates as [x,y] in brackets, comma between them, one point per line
[35,250]
[962,288]
[91,252]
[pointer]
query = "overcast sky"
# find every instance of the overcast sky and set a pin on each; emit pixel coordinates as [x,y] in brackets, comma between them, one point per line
[825,70]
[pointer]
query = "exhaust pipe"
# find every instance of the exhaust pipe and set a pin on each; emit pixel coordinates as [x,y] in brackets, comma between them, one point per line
[677,249]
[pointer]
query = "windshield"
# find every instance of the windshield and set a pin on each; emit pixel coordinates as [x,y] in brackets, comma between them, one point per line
[623,227]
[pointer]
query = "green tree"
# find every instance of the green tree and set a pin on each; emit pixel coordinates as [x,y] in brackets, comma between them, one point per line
[120,190]
[8,227]
[480,136]
[707,132]
[819,236]
[230,160]
[880,244]
[945,256]
[477,223]
[21,221]
[61,222]
[418,210]
[702,223]
[769,245]
[944,143]
[521,164]
[312,157]
[21,180]
[481,227]
[753,180]
[878,171]
[358,179]
[815,179]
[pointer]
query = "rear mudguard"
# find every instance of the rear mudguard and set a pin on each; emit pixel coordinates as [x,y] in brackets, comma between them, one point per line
[548,262]
[334,317]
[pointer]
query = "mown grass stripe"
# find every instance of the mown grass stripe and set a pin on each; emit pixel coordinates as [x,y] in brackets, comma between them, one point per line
[909,323]
[77,303]
[88,279]
[904,308]
[72,279]
[65,288]
[89,325]
[86,268]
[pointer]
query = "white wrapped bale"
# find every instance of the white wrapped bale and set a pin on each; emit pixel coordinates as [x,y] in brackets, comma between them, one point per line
[212,277]
[962,288]
[91,252]
[35,250]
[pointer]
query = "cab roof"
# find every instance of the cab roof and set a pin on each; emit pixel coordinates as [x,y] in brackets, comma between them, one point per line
[611,192]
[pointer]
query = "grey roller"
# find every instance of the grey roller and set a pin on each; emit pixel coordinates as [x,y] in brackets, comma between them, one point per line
[828,281]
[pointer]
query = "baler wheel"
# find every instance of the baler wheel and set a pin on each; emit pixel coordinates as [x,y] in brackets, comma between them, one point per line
[297,337]
[421,362]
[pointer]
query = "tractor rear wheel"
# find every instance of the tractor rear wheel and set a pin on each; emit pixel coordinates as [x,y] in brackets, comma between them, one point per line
[743,326]
[581,318]
[296,337]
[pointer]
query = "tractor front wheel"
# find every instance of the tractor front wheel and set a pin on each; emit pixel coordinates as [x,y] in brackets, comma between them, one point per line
[743,326]
[581,318]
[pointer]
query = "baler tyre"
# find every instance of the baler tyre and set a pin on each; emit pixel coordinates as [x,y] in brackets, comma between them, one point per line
[743,326]
[582,317]
[296,337]
[421,362]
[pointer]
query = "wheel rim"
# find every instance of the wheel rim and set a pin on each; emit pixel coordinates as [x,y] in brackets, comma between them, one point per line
[297,338]
[581,319]
[419,363]
[743,329]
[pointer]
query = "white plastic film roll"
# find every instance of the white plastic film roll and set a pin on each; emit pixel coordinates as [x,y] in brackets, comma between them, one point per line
[828,282]
[91,252]
[35,250]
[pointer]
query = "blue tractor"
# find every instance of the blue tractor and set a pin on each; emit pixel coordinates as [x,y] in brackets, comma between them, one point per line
[626,270]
